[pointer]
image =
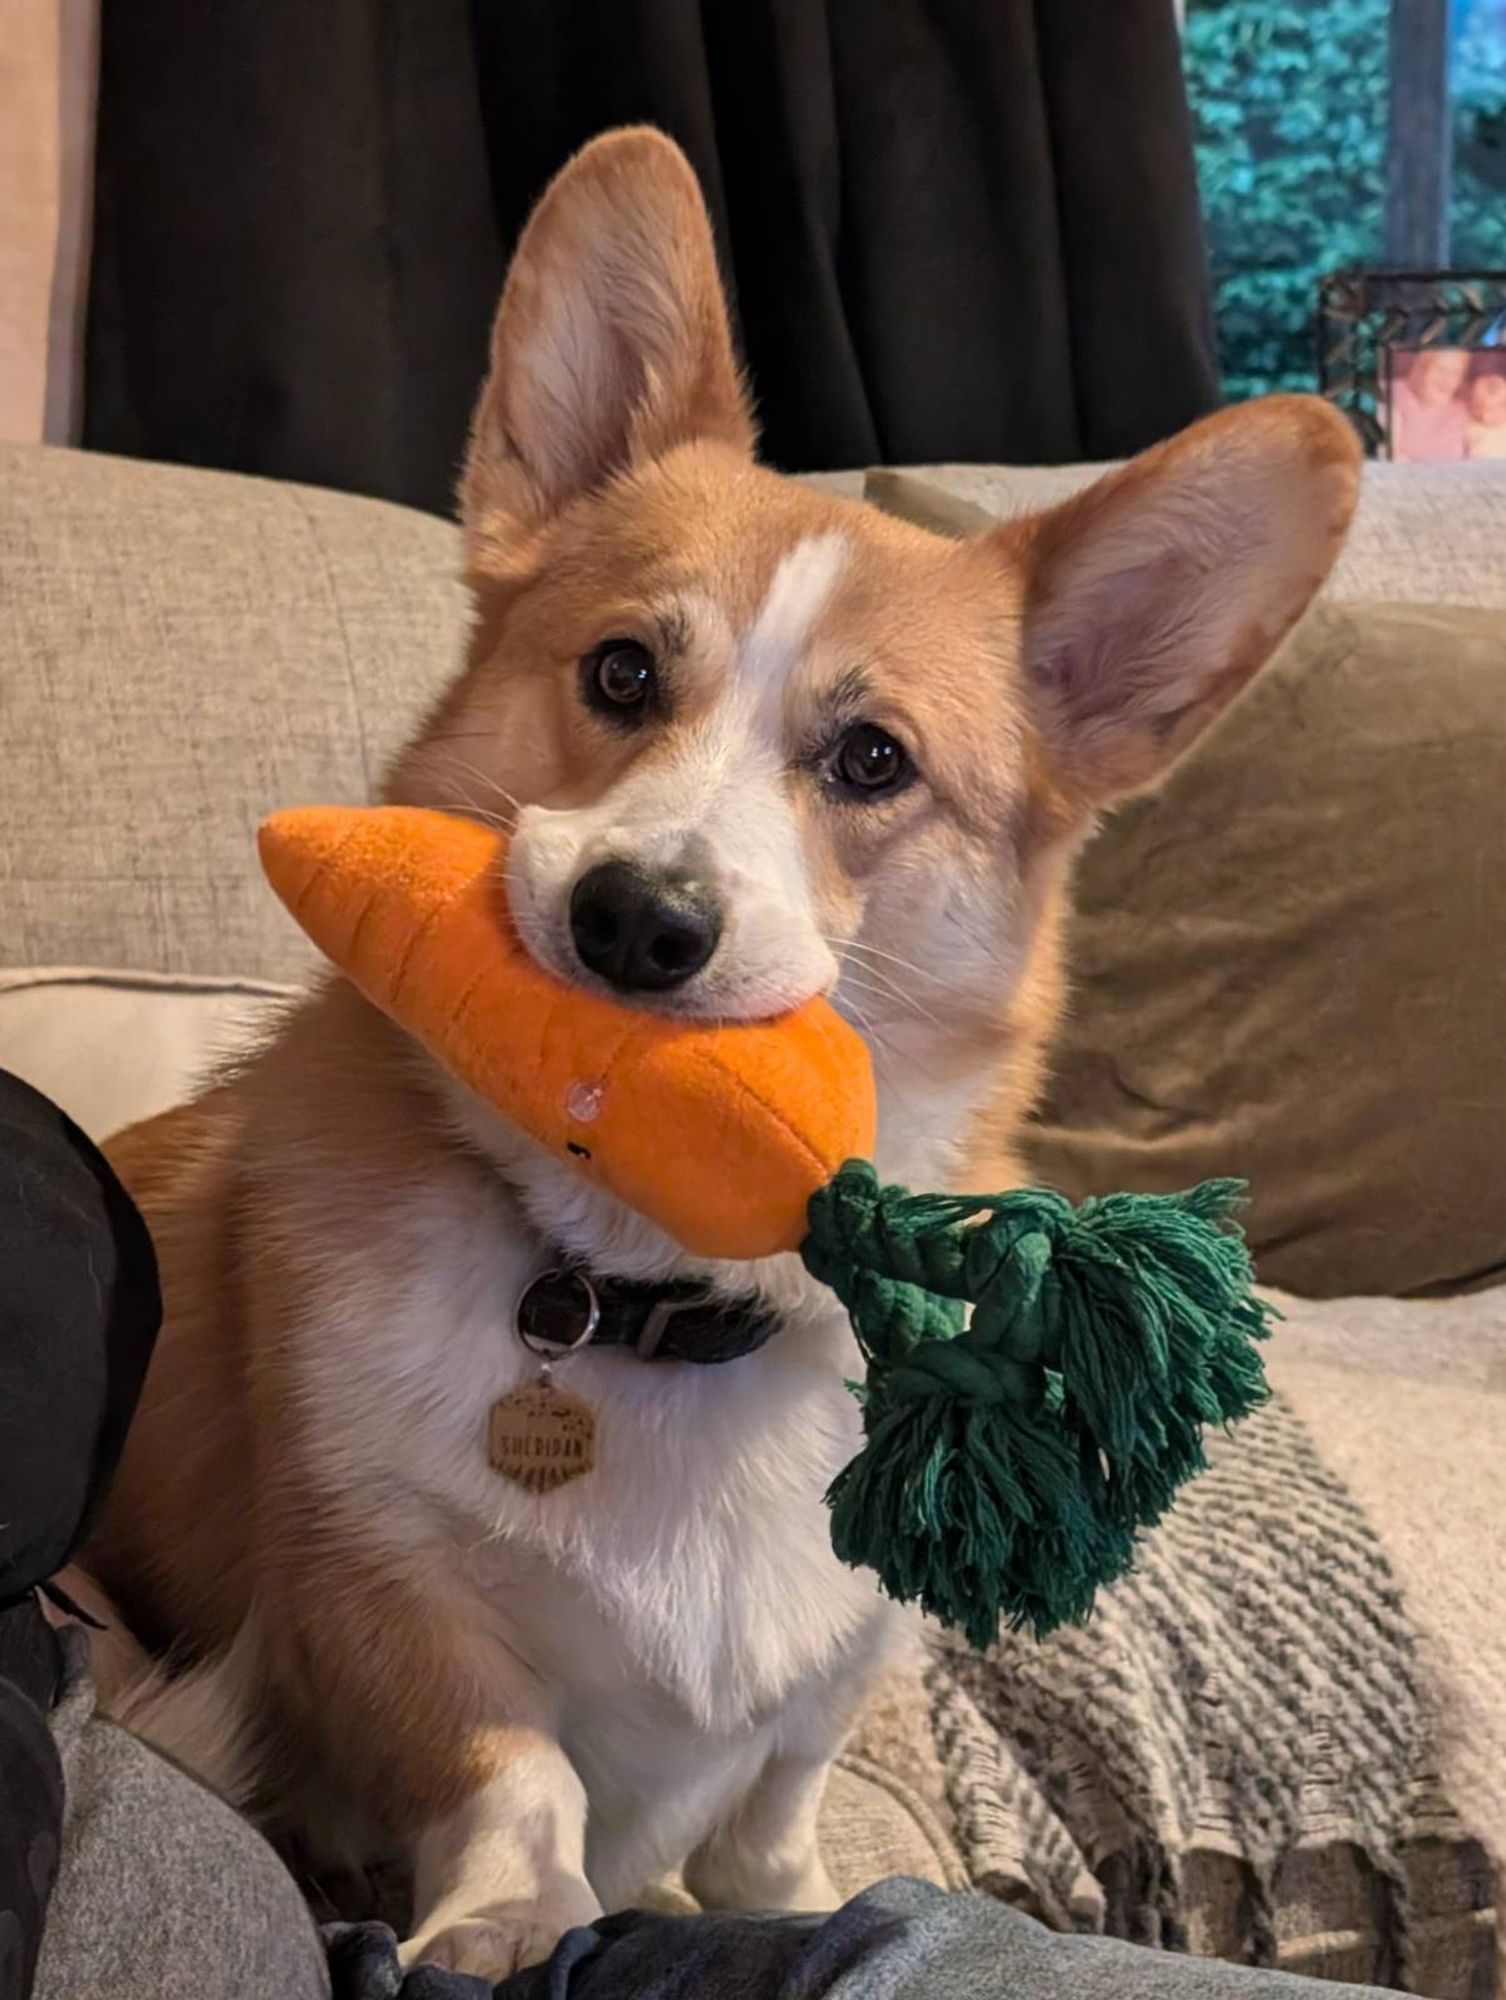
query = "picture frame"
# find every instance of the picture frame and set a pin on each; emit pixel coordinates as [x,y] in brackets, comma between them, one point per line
[1374,328]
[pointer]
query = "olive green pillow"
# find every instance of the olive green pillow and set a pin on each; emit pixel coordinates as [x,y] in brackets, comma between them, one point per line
[1290,963]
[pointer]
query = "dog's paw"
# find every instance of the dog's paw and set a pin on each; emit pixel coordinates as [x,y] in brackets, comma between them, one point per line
[812,1889]
[493,1946]
[500,1939]
[740,1880]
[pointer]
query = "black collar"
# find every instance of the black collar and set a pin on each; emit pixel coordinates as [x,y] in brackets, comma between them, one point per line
[682,1321]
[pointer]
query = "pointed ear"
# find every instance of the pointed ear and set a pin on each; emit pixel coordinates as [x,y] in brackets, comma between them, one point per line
[611,342]
[1153,597]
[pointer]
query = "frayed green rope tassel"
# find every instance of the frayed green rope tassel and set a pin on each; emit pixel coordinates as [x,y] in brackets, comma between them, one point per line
[1010,1462]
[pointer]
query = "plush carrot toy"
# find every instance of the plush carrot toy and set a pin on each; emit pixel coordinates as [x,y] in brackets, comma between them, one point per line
[1012,1455]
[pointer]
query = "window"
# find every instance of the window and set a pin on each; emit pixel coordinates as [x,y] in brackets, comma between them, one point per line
[1477,93]
[1294,102]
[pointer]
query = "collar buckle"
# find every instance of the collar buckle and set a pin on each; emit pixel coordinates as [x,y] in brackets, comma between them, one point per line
[656,1323]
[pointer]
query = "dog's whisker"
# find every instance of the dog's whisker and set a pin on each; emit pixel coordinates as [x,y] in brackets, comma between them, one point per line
[913,1064]
[905,997]
[891,989]
[491,784]
[891,957]
[463,796]
[484,778]
[844,946]
[851,983]
[845,1004]
[466,798]
[474,810]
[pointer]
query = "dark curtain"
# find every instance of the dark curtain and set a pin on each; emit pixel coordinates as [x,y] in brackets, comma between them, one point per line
[953,229]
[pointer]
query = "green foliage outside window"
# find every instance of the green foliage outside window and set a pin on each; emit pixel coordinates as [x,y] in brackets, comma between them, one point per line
[1479,94]
[1289,102]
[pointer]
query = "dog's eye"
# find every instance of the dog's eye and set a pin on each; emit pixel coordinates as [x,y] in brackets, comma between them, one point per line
[618,679]
[868,761]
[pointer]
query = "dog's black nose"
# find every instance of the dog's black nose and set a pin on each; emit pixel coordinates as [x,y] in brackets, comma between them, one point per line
[643,930]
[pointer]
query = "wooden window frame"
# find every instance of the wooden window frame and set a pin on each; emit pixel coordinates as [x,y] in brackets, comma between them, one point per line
[1419,143]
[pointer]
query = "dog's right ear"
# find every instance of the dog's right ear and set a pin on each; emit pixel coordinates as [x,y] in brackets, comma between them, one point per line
[611,344]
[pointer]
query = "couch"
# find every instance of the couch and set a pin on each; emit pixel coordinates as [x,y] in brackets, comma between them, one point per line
[1285,1737]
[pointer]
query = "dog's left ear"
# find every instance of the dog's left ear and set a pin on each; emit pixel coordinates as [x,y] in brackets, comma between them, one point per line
[1153,597]
[611,343]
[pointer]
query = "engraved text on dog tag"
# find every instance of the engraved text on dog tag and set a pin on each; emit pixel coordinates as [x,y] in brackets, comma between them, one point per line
[541,1437]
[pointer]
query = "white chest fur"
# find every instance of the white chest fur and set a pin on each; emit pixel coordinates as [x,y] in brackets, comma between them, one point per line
[692,1566]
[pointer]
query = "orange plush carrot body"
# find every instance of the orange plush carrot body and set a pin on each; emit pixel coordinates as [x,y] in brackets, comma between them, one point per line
[720,1133]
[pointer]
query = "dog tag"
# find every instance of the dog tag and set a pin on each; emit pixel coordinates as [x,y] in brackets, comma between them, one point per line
[541,1437]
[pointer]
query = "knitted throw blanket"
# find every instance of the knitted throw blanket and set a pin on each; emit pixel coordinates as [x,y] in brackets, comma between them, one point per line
[1247,1695]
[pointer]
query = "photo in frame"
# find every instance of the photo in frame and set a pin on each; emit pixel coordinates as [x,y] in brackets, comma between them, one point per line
[1417,361]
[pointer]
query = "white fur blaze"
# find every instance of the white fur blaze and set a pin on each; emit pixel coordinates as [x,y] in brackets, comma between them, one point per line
[799,592]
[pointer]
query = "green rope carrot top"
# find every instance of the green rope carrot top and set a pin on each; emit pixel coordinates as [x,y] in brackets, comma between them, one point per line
[1010,1458]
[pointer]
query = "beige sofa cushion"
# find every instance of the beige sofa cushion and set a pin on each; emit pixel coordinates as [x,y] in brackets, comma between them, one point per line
[180,651]
[1290,963]
[1422,534]
[112,1047]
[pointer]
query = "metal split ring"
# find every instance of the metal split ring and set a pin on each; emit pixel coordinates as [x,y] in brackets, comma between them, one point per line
[539,1343]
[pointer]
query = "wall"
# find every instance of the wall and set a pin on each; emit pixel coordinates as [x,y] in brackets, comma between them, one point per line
[47,69]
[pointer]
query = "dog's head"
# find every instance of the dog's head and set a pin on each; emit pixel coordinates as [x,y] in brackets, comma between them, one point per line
[758,742]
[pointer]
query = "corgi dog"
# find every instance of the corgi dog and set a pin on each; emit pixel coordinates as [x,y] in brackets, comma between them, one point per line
[754,742]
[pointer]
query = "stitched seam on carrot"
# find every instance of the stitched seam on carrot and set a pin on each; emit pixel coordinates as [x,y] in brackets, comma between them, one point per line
[631,1031]
[426,924]
[803,1145]
[320,869]
[457,1013]
[353,942]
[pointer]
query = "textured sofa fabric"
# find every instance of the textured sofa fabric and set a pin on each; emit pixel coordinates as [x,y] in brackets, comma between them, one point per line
[179,651]
[1422,534]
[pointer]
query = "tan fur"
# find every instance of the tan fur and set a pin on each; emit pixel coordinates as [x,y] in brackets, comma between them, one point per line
[1034,674]
[218,1493]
